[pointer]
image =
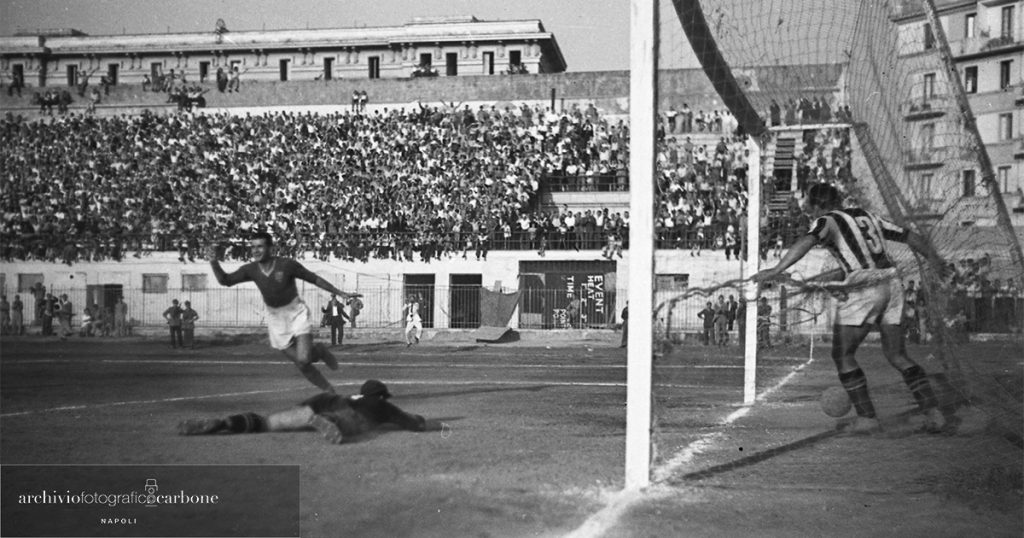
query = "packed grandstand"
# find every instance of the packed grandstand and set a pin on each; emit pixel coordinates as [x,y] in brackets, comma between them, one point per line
[401,182]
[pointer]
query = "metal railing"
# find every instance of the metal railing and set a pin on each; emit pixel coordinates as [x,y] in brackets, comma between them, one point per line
[585,183]
[459,307]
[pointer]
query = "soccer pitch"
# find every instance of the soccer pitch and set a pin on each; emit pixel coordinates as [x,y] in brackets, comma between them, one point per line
[533,439]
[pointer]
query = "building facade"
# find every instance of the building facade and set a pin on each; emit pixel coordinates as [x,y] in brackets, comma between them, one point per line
[986,39]
[449,46]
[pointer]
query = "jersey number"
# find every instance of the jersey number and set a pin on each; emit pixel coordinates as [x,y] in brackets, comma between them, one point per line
[870,233]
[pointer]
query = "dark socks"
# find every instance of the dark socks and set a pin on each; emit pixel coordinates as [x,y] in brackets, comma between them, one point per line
[856,385]
[917,382]
[246,423]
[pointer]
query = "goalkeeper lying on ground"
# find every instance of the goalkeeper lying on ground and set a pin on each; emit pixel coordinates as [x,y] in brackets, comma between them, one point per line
[336,417]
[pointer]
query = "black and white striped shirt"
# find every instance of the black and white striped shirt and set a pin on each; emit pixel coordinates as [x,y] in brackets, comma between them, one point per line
[857,238]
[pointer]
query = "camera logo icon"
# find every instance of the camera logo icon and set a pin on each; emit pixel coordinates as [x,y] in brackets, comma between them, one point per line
[151,489]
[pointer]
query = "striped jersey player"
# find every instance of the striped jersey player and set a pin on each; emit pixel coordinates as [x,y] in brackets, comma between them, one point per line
[873,293]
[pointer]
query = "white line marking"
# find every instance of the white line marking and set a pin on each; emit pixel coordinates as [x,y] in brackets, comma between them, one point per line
[438,382]
[143,402]
[605,519]
[257,362]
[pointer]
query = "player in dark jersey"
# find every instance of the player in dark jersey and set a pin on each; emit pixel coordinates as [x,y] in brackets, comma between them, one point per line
[337,418]
[873,296]
[288,318]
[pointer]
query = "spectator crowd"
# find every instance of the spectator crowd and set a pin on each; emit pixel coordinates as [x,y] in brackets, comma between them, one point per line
[434,180]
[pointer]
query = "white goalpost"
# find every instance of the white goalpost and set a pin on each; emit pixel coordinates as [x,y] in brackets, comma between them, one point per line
[643,115]
[751,265]
[643,90]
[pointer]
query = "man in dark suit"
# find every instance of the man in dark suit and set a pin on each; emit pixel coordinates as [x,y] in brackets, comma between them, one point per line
[731,307]
[335,317]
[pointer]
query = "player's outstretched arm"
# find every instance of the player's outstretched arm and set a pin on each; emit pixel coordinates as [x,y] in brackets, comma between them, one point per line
[328,287]
[793,255]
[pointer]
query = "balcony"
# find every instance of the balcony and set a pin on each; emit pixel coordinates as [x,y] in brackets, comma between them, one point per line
[1000,42]
[984,46]
[925,108]
[969,45]
[924,159]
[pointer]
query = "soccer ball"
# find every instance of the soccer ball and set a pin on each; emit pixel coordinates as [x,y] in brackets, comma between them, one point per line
[835,402]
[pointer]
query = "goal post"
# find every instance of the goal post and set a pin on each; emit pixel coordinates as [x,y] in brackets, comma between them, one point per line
[643,91]
[751,265]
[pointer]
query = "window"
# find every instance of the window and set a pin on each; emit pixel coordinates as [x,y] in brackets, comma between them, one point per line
[515,57]
[328,68]
[1006,23]
[971,79]
[969,186]
[283,69]
[1005,126]
[451,64]
[154,283]
[929,37]
[970,21]
[72,75]
[1003,178]
[929,86]
[426,59]
[27,280]
[488,63]
[204,71]
[196,282]
[112,70]
[156,70]
[924,186]
[374,66]
[927,140]
[1005,68]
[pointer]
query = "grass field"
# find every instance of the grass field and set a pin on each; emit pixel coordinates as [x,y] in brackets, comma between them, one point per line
[533,443]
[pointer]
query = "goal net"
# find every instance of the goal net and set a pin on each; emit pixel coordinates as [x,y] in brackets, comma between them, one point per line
[863,96]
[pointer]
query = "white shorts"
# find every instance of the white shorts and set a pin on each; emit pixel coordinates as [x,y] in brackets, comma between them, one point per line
[875,296]
[286,322]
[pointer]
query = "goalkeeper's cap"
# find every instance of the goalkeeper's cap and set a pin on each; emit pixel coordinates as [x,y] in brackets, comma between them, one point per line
[375,388]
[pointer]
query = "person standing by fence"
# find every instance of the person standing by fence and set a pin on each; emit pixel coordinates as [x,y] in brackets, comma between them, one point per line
[46,314]
[414,323]
[625,325]
[188,325]
[708,315]
[5,315]
[355,306]
[334,317]
[64,313]
[121,318]
[17,316]
[173,317]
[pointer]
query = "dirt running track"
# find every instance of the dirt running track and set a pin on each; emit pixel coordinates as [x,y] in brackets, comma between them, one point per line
[534,439]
